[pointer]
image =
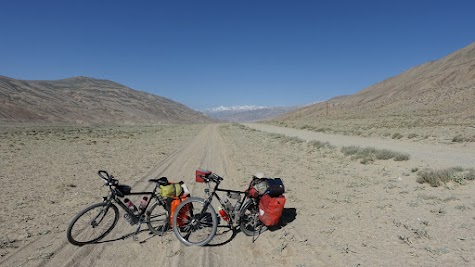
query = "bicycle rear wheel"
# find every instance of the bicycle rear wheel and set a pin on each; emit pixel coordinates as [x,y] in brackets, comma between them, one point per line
[250,224]
[195,222]
[157,219]
[92,224]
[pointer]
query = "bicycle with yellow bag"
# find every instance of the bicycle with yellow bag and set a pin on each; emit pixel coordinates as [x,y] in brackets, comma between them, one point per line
[97,221]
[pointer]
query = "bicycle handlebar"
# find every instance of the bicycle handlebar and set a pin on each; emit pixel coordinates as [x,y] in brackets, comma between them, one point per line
[215,178]
[108,179]
[103,174]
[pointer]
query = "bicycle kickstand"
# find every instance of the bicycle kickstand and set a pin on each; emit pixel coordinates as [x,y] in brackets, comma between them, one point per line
[254,238]
[135,237]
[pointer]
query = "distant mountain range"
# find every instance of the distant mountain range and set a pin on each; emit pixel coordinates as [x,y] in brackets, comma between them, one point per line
[440,92]
[246,113]
[84,100]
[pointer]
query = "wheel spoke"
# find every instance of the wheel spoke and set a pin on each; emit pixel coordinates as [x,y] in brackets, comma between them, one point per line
[250,223]
[92,224]
[157,219]
[195,225]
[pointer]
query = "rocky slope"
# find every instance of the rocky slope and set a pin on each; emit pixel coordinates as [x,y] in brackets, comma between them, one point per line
[441,92]
[83,100]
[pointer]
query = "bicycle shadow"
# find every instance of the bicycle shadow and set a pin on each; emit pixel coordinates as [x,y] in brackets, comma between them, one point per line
[131,234]
[224,235]
[288,216]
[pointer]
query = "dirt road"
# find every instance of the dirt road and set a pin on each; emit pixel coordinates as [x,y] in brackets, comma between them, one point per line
[432,155]
[206,150]
[339,212]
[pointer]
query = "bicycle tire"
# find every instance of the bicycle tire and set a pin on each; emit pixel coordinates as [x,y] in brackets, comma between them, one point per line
[250,224]
[90,220]
[192,225]
[157,219]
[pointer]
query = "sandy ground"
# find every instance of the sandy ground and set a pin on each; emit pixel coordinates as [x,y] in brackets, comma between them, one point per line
[434,155]
[339,212]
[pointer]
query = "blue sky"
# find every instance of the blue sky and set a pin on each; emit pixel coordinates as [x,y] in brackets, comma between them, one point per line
[210,53]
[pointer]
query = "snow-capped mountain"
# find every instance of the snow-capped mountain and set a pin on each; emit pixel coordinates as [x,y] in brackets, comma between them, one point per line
[246,113]
[234,108]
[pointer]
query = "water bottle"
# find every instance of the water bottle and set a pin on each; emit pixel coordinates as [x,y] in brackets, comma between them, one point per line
[131,206]
[223,214]
[227,205]
[130,218]
[143,204]
[237,207]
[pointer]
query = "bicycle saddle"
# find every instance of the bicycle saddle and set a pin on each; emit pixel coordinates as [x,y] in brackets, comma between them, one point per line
[160,181]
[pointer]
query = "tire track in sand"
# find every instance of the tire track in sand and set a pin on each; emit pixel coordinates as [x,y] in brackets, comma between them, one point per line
[55,250]
[206,150]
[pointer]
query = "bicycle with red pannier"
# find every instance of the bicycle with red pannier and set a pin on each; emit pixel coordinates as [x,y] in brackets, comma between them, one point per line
[195,221]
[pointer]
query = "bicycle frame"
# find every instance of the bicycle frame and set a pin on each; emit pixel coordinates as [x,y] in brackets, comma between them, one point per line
[232,222]
[139,218]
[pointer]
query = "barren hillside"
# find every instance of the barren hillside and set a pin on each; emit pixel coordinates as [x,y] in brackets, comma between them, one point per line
[83,100]
[437,93]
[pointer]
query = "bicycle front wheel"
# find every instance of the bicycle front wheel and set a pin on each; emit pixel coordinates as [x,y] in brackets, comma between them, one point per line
[195,222]
[157,219]
[92,224]
[250,224]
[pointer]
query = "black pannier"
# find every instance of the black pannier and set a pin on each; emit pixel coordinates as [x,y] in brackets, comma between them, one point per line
[275,187]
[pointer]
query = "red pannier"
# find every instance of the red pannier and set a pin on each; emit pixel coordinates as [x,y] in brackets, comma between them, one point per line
[183,216]
[270,209]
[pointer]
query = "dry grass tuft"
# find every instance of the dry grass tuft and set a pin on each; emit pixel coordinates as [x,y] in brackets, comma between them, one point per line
[370,154]
[461,139]
[396,136]
[319,145]
[438,177]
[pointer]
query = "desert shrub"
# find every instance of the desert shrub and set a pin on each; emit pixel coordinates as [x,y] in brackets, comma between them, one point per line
[385,154]
[396,136]
[438,177]
[369,154]
[470,175]
[350,150]
[318,145]
[323,130]
[306,127]
[433,177]
[314,128]
[293,140]
[413,135]
[367,160]
[460,139]
[276,135]
[401,157]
